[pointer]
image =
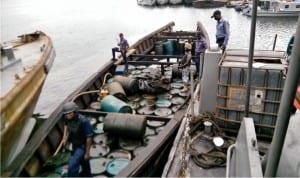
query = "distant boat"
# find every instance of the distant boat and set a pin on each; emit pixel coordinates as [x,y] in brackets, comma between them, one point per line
[146,2]
[188,2]
[235,3]
[275,8]
[162,2]
[175,2]
[209,3]
[25,63]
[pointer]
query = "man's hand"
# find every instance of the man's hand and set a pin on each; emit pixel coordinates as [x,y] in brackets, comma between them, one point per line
[223,46]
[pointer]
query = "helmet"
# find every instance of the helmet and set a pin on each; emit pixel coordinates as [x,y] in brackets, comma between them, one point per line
[69,107]
[188,46]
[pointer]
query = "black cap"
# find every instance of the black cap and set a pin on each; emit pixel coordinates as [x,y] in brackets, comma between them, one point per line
[216,12]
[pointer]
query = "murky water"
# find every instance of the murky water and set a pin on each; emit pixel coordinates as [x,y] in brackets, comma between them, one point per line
[83,33]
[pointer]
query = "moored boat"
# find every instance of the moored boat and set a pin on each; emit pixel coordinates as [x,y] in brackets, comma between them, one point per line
[209,3]
[162,2]
[188,2]
[25,63]
[275,8]
[160,105]
[175,2]
[146,2]
[235,3]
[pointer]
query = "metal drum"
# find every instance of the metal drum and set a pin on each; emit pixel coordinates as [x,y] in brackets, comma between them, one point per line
[112,104]
[116,89]
[99,150]
[177,100]
[159,50]
[155,124]
[146,110]
[162,103]
[117,165]
[95,105]
[104,139]
[130,85]
[180,47]
[93,121]
[98,166]
[169,47]
[120,154]
[125,124]
[163,112]
[98,129]
[129,144]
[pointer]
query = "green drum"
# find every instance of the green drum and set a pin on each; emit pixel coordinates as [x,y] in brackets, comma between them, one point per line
[169,47]
[125,125]
[111,103]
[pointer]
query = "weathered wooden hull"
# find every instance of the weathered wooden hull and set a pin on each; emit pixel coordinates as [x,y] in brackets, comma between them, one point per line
[209,3]
[18,104]
[46,139]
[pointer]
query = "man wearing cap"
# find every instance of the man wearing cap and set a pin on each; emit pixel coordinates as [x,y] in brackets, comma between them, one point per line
[222,33]
[78,131]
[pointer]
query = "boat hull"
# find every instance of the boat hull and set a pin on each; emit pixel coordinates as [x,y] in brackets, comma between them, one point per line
[273,14]
[147,2]
[18,104]
[42,145]
[175,2]
[162,2]
[209,3]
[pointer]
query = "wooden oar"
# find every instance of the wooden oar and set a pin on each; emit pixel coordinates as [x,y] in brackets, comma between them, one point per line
[50,160]
[58,148]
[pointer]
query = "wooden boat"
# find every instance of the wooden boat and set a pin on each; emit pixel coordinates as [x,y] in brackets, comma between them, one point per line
[235,3]
[209,3]
[150,160]
[162,2]
[188,2]
[175,2]
[146,2]
[25,64]
[223,137]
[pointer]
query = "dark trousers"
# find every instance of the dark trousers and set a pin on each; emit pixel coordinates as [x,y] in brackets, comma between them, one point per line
[123,53]
[196,59]
[76,160]
[220,42]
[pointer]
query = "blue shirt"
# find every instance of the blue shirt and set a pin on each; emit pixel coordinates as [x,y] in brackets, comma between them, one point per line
[223,30]
[79,129]
[201,45]
[123,44]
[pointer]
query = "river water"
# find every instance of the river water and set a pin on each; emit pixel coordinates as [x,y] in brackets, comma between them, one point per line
[83,32]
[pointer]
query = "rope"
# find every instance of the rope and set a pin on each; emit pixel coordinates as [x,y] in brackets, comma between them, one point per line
[216,157]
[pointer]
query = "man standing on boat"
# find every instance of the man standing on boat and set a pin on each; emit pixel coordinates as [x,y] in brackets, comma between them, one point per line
[201,46]
[222,33]
[123,47]
[184,63]
[78,131]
